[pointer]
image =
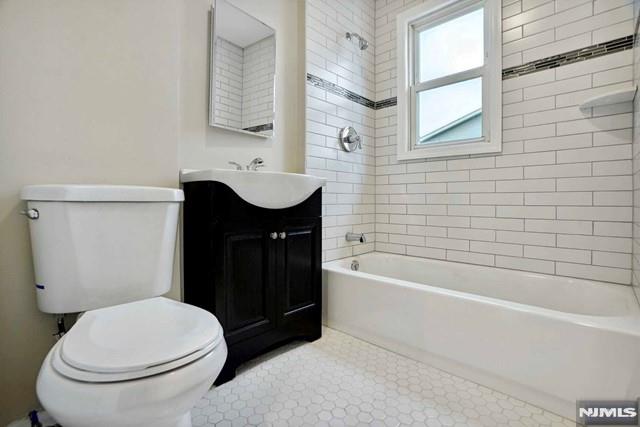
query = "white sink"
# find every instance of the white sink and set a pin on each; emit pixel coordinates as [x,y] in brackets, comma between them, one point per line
[272,190]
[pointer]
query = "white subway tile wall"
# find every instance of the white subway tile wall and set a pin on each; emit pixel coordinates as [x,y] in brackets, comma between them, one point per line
[349,197]
[244,83]
[229,67]
[538,29]
[257,84]
[557,200]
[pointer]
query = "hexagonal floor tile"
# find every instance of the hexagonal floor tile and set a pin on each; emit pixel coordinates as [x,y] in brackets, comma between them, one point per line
[339,380]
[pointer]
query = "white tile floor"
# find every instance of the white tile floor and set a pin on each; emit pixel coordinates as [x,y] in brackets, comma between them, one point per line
[342,381]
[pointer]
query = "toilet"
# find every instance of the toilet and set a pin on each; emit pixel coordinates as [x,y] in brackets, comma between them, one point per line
[133,357]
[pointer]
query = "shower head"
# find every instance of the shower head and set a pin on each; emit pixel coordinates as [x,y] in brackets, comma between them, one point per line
[361,41]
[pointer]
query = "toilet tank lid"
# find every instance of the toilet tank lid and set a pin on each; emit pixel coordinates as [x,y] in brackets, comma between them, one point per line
[100,193]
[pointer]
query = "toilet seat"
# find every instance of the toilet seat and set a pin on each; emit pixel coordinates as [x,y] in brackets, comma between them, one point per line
[135,340]
[71,372]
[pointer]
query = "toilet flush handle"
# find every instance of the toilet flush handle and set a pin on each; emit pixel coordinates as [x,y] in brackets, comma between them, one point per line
[31,213]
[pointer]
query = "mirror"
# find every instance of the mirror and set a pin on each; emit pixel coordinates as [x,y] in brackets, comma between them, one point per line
[243,65]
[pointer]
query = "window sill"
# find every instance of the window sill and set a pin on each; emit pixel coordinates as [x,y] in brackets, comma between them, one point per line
[449,150]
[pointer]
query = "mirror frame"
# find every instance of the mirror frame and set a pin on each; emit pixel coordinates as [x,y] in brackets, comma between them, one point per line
[212,75]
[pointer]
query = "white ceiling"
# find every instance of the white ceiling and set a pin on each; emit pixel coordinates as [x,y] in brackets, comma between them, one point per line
[238,27]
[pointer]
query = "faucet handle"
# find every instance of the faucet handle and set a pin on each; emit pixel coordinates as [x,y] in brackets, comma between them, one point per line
[237,165]
[255,164]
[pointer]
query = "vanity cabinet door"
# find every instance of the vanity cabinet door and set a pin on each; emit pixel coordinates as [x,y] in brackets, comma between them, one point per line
[299,275]
[247,286]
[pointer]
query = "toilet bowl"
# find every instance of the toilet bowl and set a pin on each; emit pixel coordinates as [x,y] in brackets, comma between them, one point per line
[144,363]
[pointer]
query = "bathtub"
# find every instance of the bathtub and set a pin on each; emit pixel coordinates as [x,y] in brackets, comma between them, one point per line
[544,339]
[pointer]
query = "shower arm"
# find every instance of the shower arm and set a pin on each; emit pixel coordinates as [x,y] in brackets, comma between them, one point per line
[362,42]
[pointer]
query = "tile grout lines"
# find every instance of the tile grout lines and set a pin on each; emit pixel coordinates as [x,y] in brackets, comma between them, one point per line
[578,55]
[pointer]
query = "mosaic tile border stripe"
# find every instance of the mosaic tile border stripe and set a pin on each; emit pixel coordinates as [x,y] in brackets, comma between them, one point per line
[340,91]
[389,102]
[600,49]
[594,51]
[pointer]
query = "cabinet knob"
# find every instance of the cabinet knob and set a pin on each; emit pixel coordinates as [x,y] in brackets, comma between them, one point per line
[283,235]
[273,235]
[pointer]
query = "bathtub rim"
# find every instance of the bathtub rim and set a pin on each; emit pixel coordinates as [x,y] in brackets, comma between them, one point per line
[626,324]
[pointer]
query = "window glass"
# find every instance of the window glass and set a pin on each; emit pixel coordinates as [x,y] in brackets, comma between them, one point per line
[449,113]
[452,46]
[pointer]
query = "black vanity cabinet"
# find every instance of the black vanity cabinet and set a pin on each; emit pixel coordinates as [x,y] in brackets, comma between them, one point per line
[257,270]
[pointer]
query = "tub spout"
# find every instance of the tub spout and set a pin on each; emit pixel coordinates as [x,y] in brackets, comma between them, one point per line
[356,237]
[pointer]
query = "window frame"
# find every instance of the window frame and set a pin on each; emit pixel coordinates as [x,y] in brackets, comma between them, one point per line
[409,25]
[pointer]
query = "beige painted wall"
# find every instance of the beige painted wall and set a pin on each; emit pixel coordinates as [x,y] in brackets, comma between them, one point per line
[112,91]
[204,147]
[88,94]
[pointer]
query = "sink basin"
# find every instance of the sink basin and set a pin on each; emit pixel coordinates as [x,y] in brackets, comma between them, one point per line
[272,190]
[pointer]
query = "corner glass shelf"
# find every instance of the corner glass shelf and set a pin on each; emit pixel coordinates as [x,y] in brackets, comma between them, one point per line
[609,98]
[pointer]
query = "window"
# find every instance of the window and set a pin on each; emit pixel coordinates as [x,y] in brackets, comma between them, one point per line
[449,79]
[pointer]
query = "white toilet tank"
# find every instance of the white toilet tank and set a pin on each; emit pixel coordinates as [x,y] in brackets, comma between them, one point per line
[96,246]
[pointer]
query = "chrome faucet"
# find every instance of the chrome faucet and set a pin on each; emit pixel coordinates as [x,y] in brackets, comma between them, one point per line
[255,164]
[355,237]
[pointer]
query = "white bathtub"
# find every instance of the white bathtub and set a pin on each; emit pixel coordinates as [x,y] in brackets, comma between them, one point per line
[547,340]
